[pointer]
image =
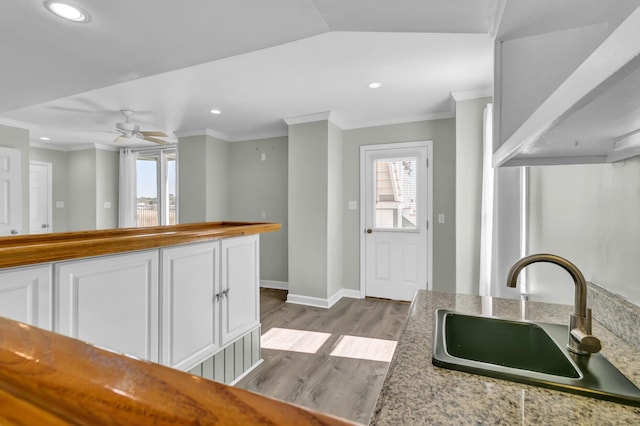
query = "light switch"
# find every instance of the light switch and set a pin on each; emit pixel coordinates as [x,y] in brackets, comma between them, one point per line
[441,218]
[107,204]
[263,215]
[353,205]
[263,156]
[59,204]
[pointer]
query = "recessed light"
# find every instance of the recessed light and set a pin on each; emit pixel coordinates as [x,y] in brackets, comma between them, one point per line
[68,12]
[216,112]
[374,85]
[44,138]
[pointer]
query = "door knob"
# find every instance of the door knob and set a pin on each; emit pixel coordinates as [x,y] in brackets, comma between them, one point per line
[369,231]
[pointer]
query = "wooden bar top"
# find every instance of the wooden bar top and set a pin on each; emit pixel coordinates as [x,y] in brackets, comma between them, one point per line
[48,378]
[21,250]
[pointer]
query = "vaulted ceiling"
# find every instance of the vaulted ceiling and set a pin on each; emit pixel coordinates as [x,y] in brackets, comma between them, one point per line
[257,62]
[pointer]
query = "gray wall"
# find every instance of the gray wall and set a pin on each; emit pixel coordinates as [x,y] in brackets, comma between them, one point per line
[257,186]
[203,179]
[308,232]
[469,135]
[14,137]
[442,133]
[107,176]
[192,164]
[58,160]
[589,214]
[81,190]
[217,179]
[84,180]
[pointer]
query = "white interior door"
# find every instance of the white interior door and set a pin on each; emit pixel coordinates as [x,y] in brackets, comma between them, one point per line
[40,212]
[10,192]
[396,213]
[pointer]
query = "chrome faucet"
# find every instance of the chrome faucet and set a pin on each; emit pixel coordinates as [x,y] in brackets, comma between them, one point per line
[580,339]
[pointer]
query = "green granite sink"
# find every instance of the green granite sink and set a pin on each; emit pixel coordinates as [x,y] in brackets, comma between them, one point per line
[527,352]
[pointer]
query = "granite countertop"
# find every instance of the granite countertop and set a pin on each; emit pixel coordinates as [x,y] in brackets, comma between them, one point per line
[415,392]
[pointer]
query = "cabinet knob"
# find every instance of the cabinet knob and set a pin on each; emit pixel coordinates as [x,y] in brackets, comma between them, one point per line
[369,231]
[14,231]
[44,225]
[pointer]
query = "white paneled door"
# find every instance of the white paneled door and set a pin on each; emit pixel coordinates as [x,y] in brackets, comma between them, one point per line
[396,214]
[40,204]
[10,192]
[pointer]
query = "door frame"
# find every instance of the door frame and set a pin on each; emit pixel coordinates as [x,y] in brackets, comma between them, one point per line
[49,167]
[389,146]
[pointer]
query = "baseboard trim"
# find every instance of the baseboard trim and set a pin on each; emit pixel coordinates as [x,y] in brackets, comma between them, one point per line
[276,285]
[323,303]
[243,375]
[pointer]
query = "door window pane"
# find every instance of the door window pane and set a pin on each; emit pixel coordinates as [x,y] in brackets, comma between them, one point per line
[395,190]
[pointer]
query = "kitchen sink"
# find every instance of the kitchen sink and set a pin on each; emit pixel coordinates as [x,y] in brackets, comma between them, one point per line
[528,352]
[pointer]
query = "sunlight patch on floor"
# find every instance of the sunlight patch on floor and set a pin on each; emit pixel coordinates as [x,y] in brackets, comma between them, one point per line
[285,339]
[365,348]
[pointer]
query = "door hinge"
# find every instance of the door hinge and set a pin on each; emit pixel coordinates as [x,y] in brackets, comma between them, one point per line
[427,162]
[427,225]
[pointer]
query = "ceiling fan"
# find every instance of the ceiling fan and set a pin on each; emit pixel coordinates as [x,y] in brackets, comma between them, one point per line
[130,130]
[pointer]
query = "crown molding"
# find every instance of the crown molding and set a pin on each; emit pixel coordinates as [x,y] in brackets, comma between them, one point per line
[465,95]
[308,118]
[402,120]
[201,132]
[75,147]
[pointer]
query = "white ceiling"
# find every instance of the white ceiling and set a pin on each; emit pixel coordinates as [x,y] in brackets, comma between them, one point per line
[259,62]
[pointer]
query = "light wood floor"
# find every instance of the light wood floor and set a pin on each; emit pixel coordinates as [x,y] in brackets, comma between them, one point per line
[344,387]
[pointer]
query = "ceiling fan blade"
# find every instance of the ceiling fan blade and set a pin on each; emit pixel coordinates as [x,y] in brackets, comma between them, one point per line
[155,140]
[146,133]
[119,139]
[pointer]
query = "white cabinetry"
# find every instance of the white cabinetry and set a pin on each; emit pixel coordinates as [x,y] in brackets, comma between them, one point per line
[26,295]
[190,303]
[111,301]
[240,289]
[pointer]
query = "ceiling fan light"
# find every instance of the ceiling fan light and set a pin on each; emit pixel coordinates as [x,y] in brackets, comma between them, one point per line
[68,12]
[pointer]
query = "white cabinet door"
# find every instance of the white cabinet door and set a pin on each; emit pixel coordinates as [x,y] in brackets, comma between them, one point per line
[111,302]
[190,300]
[240,286]
[26,295]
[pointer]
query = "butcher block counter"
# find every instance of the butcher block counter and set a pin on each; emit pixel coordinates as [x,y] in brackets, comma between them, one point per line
[49,379]
[23,250]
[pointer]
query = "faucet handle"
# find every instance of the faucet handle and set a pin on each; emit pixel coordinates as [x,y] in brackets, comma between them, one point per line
[587,342]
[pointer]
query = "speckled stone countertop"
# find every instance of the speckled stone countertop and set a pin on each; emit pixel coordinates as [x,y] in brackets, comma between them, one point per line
[415,392]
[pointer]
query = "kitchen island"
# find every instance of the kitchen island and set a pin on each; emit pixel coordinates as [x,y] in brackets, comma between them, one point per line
[416,392]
